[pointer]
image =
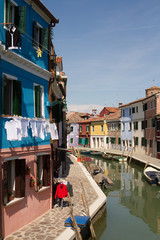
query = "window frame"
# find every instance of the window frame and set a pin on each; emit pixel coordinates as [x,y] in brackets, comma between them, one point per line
[43,171]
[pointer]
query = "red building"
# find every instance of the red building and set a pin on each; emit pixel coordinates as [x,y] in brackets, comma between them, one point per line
[151,109]
[108,110]
[84,133]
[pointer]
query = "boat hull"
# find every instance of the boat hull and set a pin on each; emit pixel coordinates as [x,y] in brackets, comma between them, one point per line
[152,176]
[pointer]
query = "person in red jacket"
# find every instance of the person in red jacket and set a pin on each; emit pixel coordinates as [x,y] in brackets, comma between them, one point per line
[61,192]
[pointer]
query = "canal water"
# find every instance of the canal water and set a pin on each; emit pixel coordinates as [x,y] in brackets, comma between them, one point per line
[133,205]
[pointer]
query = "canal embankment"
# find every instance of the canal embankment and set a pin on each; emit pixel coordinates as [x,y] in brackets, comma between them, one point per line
[51,224]
[139,158]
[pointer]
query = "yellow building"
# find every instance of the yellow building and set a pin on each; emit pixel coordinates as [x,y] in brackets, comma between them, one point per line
[98,133]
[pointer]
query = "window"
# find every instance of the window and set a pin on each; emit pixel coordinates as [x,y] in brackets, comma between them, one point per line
[11,95]
[130,111]
[144,124]
[119,141]
[133,110]
[150,105]
[80,129]
[130,126]
[153,122]
[119,126]
[43,170]
[135,125]
[14,178]
[72,129]
[101,128]
[150,143]
[158,125]
[123,113]
[154,103]
[71,140]
[40,36]
[87,129]
[113,140]
[39,101]
[130,143]
[144,142]
[107,139]
[123,126]
[137,109]
[15,14]
[136,141]
[92,128]
[80,140]
[158,146]
[145,107]
[113,126]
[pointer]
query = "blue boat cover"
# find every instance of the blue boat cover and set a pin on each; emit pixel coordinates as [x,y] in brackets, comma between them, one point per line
[81,221]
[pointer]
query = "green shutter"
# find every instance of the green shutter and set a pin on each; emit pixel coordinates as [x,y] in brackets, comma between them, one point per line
[153,122]
[119,140]
[5,183]
[107,140]
[37,90]
[4,92]
[80,140]
[87,141]
[8,7]
[17,98]
[34,33]
[20,18]
[44,39]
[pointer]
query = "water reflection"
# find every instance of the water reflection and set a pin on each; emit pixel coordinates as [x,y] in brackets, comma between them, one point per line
[134,193]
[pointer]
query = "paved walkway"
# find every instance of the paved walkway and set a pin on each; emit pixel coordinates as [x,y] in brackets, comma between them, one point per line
[51,225]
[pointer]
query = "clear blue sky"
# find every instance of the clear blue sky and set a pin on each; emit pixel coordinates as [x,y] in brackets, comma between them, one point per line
[110,48]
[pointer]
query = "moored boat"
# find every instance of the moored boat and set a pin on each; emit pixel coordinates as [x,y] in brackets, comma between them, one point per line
[152,175]
[85,152]
[107,156]
[96,153]
[120,158]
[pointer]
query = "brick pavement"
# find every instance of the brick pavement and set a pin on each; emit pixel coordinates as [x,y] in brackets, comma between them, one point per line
[51,224]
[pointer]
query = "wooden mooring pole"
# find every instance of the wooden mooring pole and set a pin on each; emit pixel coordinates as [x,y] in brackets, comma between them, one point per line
[85,202]
[78,235]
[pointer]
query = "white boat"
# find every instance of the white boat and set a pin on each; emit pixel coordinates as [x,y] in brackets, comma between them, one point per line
[152,175]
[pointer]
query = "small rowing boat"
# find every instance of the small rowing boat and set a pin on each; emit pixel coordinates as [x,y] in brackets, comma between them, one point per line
[107,156]
[120,158]
[152,175]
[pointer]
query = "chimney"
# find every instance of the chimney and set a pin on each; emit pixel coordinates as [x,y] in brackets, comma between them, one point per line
[120,104]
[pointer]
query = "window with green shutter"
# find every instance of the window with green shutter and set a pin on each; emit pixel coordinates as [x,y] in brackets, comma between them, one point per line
[119,141]
[11,96]
[40,36]
[80,140]
[15,15]
[107,140]
[39,101]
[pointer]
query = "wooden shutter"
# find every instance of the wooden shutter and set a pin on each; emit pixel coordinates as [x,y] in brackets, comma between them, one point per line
[20,178]
[8,7]
[5,183]
[20,18]
[17,95]
[44,38]
[37,101]
[34,33]
[46,170]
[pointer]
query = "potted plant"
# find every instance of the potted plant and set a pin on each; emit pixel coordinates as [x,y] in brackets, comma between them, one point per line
[10,195]
[28,169]
[39,184]
[32,182]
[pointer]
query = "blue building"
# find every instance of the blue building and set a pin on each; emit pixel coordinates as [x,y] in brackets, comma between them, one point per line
[126,127]
[25,40]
